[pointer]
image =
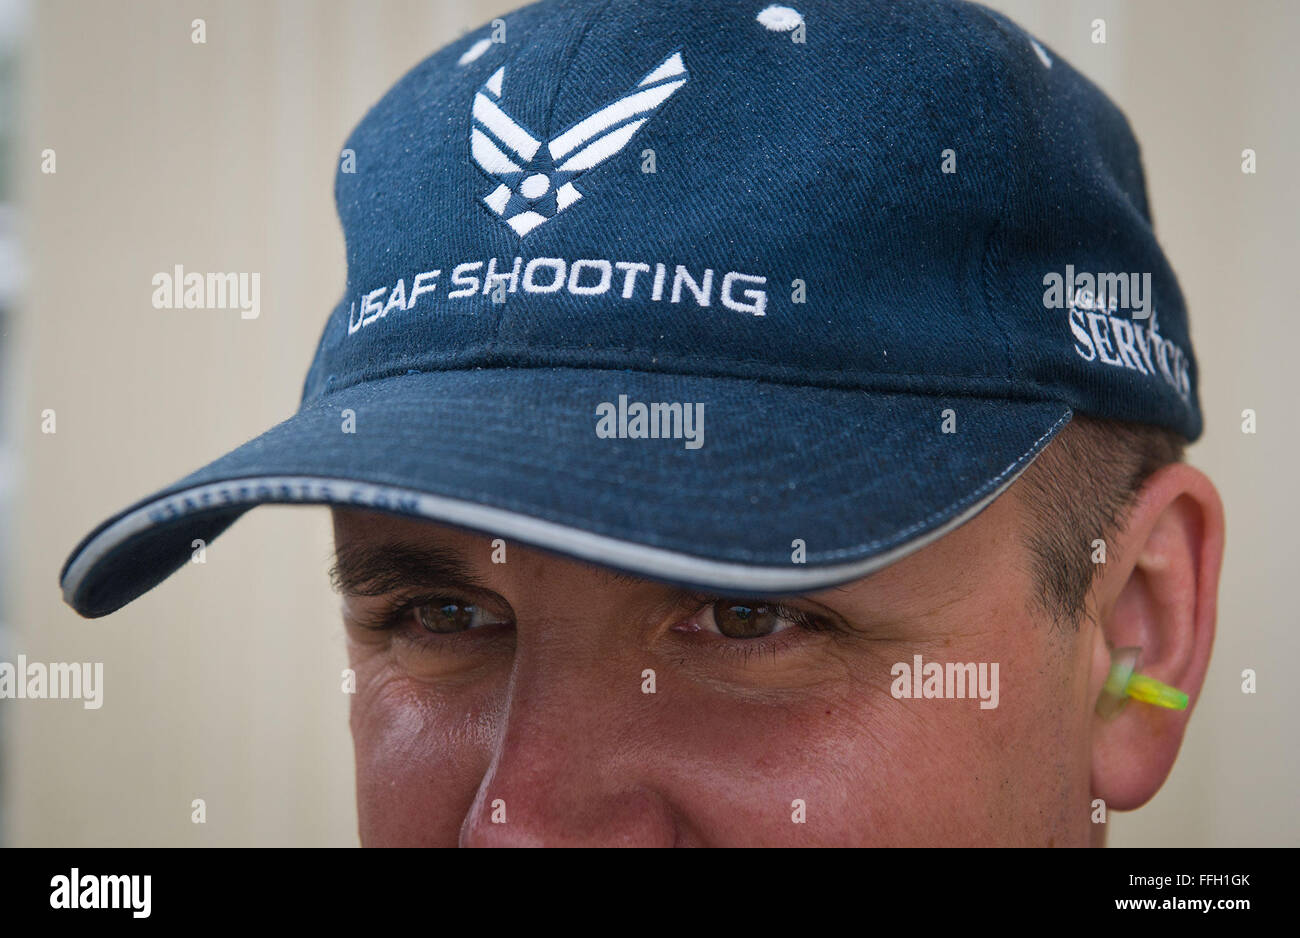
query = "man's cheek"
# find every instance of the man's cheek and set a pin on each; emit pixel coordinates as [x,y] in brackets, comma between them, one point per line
[846,765]
[792,772]
[853,776]
[998,775]
[421,754]
[906,772]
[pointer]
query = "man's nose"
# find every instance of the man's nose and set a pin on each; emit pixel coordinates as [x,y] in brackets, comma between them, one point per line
[572,764]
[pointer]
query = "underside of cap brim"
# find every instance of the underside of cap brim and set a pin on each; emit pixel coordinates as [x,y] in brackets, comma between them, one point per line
[861,478]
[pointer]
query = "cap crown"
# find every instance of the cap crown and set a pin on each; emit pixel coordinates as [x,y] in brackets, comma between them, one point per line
[798,224]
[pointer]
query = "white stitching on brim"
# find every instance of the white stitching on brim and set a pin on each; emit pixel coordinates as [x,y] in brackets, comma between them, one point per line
[595,548]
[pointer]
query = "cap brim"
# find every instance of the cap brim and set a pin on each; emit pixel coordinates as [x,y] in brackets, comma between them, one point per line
[858,478]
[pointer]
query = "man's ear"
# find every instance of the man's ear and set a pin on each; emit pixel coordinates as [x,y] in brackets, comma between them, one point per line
[1158,591]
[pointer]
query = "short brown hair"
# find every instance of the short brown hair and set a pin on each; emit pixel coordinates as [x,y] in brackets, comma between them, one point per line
[1080,489]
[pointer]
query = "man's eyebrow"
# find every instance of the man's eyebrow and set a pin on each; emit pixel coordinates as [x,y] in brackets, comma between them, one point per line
[617,577]
[369,570]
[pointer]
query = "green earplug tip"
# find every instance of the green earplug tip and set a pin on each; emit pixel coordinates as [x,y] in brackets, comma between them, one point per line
[1114,693]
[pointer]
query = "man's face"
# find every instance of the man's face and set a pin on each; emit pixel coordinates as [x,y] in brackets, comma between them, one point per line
[507,704]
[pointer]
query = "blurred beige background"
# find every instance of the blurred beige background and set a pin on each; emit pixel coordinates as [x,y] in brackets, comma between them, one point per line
[223,684]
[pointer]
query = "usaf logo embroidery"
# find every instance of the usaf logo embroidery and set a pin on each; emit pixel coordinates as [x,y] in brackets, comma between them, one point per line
[536,180]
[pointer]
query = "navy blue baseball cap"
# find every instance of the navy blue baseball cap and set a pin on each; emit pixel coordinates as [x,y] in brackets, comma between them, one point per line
[749,298]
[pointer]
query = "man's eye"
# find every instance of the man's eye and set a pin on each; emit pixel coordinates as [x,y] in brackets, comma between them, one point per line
[452,616]
[742,620]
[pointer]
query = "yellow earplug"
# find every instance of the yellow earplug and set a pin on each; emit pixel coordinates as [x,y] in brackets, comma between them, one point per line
[1124,682]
